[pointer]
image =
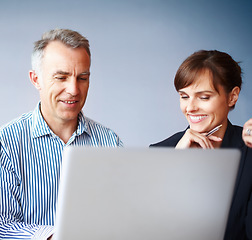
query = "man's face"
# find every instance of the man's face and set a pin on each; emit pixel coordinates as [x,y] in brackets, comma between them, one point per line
[63,83]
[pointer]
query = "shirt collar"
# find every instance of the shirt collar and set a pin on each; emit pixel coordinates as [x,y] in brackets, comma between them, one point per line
[40,127]
[83,125]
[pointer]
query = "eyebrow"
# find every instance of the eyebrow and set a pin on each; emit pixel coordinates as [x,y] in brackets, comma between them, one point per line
[68,74]
[200,92]
[85,73]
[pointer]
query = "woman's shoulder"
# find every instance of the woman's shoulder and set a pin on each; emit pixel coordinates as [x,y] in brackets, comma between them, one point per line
[233,137]
[170,141]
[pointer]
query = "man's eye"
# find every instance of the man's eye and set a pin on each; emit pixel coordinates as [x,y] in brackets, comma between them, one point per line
[83,78]
[60,78]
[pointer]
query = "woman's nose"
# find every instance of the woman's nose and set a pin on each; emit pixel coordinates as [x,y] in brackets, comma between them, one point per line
[192,105]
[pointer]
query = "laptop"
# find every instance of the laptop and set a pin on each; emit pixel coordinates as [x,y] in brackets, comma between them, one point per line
[145,194]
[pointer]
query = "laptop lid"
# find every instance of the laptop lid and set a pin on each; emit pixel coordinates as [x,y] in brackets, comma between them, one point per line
[145,193]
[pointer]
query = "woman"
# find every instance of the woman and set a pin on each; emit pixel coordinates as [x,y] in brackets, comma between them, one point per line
[209,84]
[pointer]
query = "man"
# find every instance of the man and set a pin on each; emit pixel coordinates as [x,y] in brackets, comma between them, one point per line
[31,146]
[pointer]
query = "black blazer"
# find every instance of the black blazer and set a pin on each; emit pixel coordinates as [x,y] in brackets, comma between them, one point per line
[239,224]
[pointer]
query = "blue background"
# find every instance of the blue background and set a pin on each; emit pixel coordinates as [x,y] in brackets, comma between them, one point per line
[137,47]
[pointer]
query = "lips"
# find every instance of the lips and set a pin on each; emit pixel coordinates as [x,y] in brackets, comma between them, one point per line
[197,118]
[70,102]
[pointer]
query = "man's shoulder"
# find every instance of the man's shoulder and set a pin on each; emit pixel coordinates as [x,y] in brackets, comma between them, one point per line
[96,126]
[17,125]
[104,135]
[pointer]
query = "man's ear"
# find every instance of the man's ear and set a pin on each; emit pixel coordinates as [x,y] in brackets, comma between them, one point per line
[34,79]
[233,96]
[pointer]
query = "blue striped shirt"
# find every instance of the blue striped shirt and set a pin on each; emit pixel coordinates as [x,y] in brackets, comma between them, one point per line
[30,163]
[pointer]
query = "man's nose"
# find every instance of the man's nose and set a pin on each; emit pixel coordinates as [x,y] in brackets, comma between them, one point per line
[72,86]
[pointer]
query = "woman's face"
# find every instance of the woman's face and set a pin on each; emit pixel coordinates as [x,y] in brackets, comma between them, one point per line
[204,107]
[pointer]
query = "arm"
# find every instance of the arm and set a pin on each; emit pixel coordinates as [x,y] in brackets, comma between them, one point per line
[12,225]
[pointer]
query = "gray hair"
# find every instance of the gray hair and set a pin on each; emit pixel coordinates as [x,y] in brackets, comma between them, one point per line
[68,37]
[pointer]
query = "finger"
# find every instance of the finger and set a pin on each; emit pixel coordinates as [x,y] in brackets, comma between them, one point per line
[248,143]
[215,139]
[247,131]
[248,123]
[205,143]
[192,138]
[247,139]
[202,140]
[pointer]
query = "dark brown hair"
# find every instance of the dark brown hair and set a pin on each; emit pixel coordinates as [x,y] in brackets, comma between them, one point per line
[224,70]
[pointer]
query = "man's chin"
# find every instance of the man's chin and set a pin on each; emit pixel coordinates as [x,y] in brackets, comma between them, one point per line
[69,117]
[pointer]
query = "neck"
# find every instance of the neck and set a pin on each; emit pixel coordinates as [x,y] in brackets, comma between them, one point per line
[64,131]
[217,144]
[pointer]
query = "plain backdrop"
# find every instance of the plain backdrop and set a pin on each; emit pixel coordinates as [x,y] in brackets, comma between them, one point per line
[137,47]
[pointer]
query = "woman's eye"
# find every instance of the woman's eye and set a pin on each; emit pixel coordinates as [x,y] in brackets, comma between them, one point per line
[205,97]
[183,96]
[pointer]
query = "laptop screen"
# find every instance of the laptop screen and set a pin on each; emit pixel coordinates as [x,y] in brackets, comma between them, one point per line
[145,193]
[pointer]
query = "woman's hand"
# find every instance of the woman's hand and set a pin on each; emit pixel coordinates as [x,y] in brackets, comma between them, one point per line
[247,133]
[192,139]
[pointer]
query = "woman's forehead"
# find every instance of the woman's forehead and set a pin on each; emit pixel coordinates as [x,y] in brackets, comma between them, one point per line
[203,78]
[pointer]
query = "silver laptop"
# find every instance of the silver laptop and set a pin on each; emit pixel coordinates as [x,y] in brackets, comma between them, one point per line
[145,194]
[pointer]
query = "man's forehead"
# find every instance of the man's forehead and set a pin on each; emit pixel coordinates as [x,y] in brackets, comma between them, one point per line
[59,57]
[58,46]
